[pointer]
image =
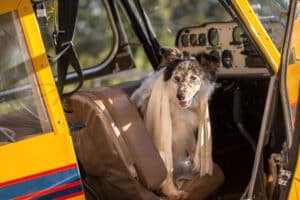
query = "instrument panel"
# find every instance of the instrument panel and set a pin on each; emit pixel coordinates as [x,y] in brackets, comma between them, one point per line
[226,42]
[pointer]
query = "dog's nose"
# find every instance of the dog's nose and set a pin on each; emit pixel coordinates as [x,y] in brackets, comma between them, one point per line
[180,97]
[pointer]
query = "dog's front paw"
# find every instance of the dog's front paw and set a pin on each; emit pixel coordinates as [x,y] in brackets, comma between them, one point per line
[169,190]
[178,195]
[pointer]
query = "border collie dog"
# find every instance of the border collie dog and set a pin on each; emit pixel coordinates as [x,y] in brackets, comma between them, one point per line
[174,103]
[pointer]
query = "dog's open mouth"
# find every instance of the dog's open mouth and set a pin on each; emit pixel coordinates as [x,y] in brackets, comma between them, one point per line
[184,104]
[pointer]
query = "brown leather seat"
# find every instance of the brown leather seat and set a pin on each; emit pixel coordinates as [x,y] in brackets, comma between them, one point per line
[116,153]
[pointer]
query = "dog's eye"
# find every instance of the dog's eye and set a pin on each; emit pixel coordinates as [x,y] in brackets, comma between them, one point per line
[176,78]
[193,78]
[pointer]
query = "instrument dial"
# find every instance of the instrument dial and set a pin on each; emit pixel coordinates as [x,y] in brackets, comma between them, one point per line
[185,40]
[213,37]
[216,55]
[193,40]
[227,59]
[237,35]
[202,39]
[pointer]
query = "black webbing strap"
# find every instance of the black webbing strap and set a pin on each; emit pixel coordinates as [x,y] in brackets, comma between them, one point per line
[67,14]
[154,43]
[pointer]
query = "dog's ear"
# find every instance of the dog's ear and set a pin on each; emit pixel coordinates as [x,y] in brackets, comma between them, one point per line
[169,58]
[169,55]
[209,64]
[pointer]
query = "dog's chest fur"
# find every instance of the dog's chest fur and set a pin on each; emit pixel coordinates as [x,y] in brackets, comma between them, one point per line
[184,124]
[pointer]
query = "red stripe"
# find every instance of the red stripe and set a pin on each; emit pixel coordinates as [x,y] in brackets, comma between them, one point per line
[37,175]
[48,191]
[294,104]
[70,196]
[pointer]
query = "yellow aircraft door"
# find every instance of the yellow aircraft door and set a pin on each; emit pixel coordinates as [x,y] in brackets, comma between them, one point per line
[36,152]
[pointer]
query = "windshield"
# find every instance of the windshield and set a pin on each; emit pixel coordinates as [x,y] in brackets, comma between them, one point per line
[168,17]
[273,16]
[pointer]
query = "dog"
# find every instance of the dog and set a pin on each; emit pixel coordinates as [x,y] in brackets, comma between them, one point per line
[174,104]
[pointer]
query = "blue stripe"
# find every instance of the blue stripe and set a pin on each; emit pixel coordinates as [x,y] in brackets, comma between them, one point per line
[39,183]
[60,193]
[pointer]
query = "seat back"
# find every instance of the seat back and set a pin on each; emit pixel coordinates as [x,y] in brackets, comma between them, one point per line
[113,146]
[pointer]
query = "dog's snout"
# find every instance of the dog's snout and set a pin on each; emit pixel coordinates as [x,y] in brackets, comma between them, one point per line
[180,97]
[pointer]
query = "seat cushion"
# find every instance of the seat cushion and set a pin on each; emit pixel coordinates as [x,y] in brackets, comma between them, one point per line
[112,123]
[148,163]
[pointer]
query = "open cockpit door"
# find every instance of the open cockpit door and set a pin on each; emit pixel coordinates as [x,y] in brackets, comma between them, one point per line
[289,90]
[36,151]
[281,160]
[275,172]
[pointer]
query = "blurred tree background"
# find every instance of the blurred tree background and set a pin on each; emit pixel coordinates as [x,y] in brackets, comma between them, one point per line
[94,40]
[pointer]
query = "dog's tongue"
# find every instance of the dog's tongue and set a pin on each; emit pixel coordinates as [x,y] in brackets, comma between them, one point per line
[183,103]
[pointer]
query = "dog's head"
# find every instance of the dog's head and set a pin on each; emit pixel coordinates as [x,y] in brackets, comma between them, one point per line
[187,75]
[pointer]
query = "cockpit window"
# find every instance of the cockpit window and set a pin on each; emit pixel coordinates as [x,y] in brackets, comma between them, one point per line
[168,17]
[273,16]
[93,36]
[22,111]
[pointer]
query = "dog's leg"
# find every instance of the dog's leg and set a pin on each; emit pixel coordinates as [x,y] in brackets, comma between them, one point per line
[170,190]
[168,187]
[191,147]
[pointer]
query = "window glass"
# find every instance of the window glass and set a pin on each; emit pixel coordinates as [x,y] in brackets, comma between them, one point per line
[142,65]
[167,17]
[273,16]
[22,112]
[93,37]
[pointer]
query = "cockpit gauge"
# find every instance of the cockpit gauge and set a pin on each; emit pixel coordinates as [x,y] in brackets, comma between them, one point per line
[227,58]
[216,55]
[185,40]
[213,36]
[237,35]
[193,40]
[202,39]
